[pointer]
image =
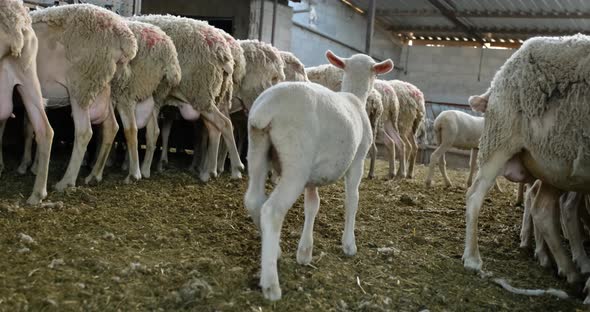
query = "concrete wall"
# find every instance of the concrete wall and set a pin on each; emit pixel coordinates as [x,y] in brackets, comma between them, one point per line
[282,27]
[238,10]
[450,74]
[336,20]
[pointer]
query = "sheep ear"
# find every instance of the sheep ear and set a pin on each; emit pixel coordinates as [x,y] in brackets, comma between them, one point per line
[335,60]
[383,67]
[478,103]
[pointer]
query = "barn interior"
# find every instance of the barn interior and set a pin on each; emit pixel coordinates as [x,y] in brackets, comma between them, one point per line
[173,243]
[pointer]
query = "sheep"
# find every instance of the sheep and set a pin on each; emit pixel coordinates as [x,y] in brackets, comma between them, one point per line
[381,101]
[264,68]
[388,125]
[205,59]
[81,45]
[535,126]
[18,68]
[152,74]
[411,113]
[453,128]
[225,105]
[294,69]
[313,136]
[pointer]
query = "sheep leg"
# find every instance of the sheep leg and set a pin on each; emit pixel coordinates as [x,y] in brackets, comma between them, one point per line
[224,125]
[109,128]
[27,153]
[474,200]
[519,194]
[545,212]
[413,153]
[127,115]
[472,165]
[390,145]
[442,164]
[312,205]
[30,92]
[258,167]
[199,155]
[527,226]
[165,134]
[351,189]
[210,162]
[570,213]
[373,150]
[397,139]
[437,157]
[541,252]
[152,131]
[2,126]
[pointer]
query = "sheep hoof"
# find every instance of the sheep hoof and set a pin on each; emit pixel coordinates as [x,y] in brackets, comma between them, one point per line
[236,175]
[36,198]
[22,169]
[92,179]
[131,178]
[63,185]
[472,263]
[204,177]
[34,168]
[145,174]
[349,249]
[304,255]
[162,165]
[272,292]
[583,264]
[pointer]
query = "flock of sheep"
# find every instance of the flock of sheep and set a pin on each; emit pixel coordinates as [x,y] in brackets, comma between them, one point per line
[305,134]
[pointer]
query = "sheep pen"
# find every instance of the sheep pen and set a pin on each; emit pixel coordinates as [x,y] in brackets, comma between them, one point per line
[190,245]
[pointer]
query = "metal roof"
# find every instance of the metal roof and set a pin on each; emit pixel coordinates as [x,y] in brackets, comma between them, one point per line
[483,21]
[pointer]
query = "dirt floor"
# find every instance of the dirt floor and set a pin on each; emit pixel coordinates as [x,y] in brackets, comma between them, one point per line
[171,243]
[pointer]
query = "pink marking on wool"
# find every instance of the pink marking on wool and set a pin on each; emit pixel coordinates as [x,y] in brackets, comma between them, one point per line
[211,37]
[104,20]
[151,37]
[416,94]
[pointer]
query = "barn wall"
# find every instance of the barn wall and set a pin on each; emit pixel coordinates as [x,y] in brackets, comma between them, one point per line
[450,74]
[238,10]
[282,27]
[338,21]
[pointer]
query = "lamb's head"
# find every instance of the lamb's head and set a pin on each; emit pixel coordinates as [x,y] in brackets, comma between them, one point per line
[360,71]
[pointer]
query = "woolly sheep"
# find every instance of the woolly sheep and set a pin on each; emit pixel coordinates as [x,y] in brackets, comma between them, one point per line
[313,136]
[152,74]
[294,69]
[411,113]
[388,125]
[453,128]
[18,68]
[224,105]
[205,59]
[536,125]
[81,46]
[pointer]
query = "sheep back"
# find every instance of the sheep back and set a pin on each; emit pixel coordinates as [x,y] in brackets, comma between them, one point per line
[294,69]
[411,106]
[155,67]
[327,75]
[203,55]
[264,67]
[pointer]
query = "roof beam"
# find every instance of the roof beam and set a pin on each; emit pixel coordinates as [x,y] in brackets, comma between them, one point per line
[433,30]
[488,14]
[450,15]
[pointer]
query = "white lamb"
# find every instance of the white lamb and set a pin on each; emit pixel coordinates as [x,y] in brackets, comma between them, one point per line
[453,128]
[535,126]
[313,136]
[18,69]
[380,101]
